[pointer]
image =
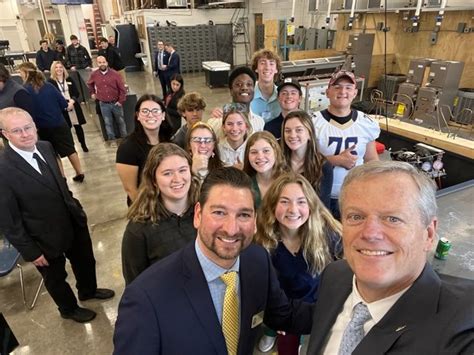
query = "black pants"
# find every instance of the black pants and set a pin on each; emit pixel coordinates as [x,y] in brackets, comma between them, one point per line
[164,84]
[81,257]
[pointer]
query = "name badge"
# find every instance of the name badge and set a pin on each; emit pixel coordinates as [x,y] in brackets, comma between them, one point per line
[257,319]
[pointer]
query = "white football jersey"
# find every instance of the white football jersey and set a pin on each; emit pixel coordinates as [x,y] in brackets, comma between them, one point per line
[332,138]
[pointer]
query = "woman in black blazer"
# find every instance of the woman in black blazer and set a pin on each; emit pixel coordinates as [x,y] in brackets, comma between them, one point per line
[61,80]
[171,102]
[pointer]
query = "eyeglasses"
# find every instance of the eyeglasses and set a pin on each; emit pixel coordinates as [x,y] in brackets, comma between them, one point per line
[235,106]
[154,112]
[18,131]
[202,140]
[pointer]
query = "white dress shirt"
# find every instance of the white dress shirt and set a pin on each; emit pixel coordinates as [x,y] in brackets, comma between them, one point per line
[377,310]
[28,156]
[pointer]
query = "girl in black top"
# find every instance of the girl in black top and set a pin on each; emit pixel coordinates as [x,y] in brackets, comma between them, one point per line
[171,102]
[151,128]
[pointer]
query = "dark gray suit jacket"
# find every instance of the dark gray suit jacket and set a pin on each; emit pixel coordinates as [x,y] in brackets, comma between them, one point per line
[168,309]
[36,216]
[432,317]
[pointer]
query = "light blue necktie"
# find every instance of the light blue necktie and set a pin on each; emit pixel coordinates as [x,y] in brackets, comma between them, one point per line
[354,332]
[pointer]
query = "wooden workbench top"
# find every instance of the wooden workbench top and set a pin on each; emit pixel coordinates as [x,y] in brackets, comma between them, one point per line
[460,146]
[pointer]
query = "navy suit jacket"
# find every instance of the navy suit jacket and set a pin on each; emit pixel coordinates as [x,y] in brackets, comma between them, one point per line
[174,65]
[168,309]
[37,217]
[432,317]
[166,56]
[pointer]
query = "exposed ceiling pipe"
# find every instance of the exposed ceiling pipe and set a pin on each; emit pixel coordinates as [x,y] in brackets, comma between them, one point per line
[416,18]
[351,17]
[328,16]
[293,11]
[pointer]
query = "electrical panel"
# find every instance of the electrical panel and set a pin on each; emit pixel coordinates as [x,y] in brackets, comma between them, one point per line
[426,103]
[359,50]
[316,38]
[418,70]
[445,74]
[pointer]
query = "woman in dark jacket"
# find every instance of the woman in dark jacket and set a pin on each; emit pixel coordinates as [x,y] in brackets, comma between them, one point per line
[171,102]
[48,107]
[61,80]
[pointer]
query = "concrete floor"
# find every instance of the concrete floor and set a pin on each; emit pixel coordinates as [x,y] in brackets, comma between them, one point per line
[42,330]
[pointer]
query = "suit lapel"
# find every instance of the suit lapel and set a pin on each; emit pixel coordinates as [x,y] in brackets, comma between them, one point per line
[414,306]
[22,165]
[196,289]
[53,165]
[334,290]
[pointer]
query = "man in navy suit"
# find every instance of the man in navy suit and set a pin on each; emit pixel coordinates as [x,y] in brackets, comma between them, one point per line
[160,63]
[174,64]
[176,305]
[389,226]
[42,220]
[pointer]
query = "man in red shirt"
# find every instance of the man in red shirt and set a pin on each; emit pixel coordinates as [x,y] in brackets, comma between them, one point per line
[106,86]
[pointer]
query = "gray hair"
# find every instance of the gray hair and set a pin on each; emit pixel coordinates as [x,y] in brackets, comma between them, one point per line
[426,198]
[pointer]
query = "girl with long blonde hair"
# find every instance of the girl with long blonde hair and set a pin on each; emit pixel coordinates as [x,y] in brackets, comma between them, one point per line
[302,238]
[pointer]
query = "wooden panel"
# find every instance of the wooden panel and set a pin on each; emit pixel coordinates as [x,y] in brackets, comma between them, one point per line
[271,28]
[405,46]
[314,53]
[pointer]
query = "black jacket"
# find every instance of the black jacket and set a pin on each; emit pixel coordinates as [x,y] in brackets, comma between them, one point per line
[36,216]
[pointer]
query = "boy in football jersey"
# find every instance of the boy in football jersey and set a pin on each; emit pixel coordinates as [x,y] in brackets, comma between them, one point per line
[345,136]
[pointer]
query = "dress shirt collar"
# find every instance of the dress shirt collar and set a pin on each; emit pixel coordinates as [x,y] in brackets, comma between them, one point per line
[211,270]
[28,156]
[379,308]
[258,93]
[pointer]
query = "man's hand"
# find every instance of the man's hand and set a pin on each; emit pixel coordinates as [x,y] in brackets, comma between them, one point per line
[73,68]
[118,104]
[155,73]
[41,261]
[93,97]
[217,113]
[346,159]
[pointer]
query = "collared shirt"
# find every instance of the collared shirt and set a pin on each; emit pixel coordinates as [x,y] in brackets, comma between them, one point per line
[160,60]
[107,86]
[267,109]
[212,273]
[28,156]
[377,310]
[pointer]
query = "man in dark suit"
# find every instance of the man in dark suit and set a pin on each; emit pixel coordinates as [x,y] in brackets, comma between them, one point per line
[174,64]
[385,298]
[42,220]
[159,66]
[179,305]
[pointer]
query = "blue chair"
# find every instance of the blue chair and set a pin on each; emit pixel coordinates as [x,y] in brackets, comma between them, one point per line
[9,258]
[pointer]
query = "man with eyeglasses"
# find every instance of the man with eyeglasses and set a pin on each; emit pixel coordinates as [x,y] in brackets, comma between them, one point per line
[107,86]
[160,63]
[345,136]
[289,97]
[41,218]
